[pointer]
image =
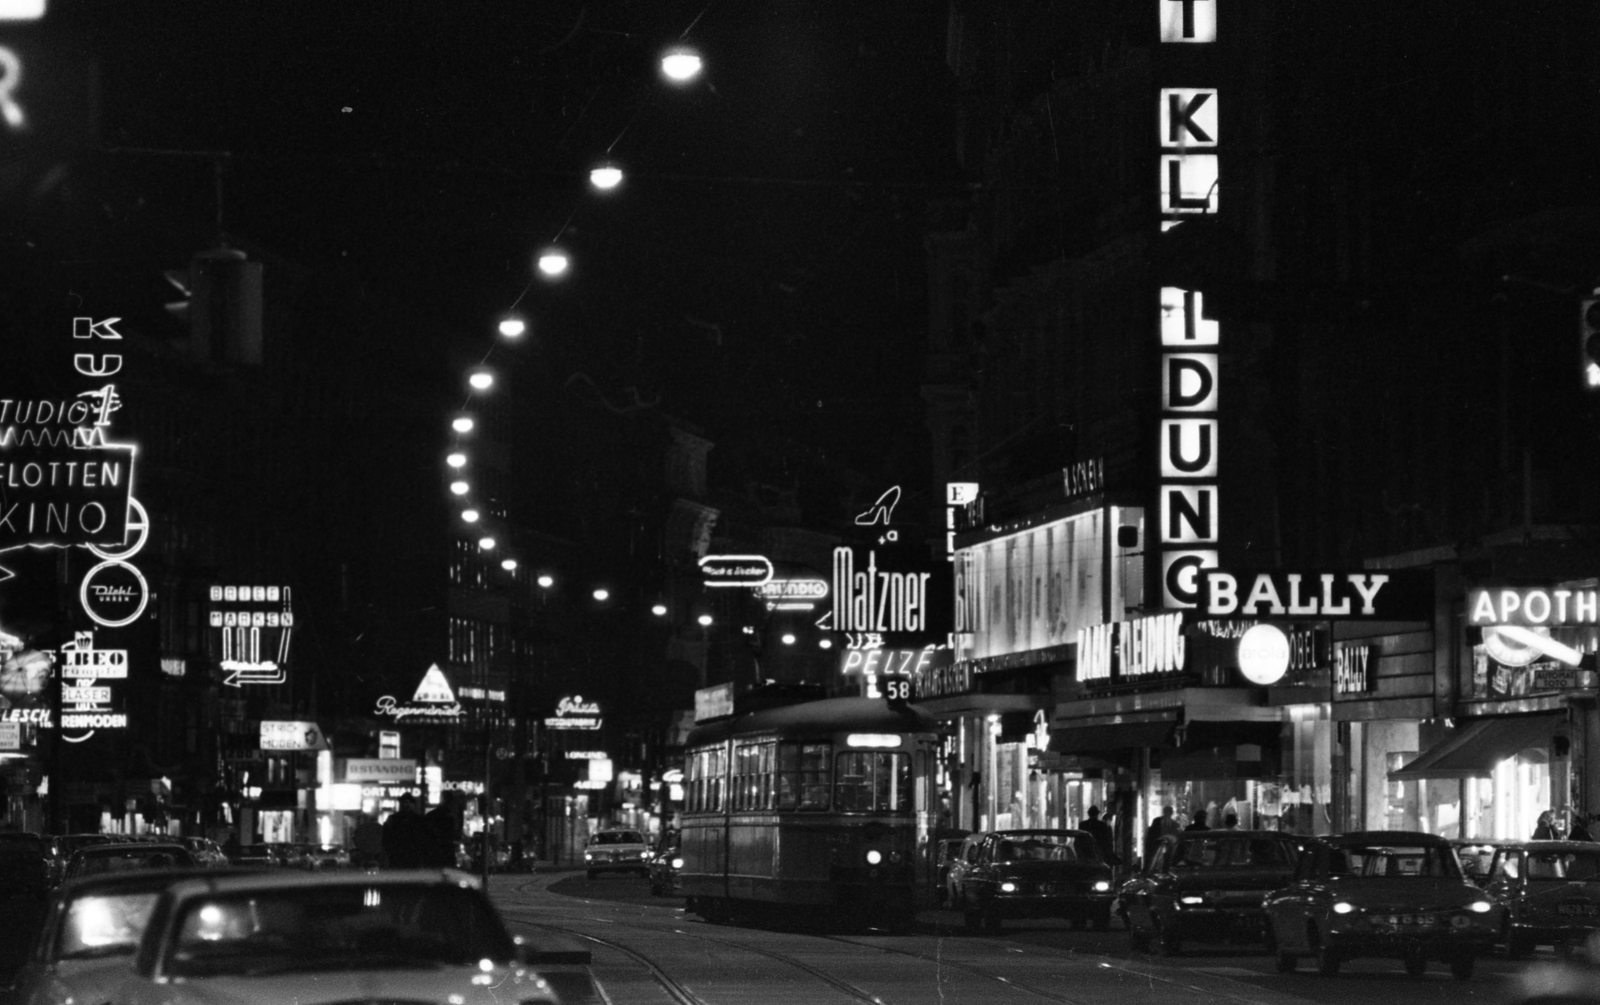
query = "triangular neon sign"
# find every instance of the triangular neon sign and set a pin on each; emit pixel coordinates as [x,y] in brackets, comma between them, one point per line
[434,689]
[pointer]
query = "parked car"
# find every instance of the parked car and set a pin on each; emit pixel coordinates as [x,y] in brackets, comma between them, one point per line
[1030,874]
[259,856]
[665,865]
[85,946]
[24,865]
[1476,855]
[320,856]
[62,847]
[207,853]
[1206,886]
[1551,891]
[288,936]
[946,851]
[130,856]
[616,851]
[1381,893]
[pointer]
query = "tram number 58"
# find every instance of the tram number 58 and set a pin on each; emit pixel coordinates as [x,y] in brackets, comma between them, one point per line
[897,688]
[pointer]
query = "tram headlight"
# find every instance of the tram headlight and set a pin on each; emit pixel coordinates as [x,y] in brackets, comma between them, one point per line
[874,856]
[1008,888]
[677,863]
[1101,886]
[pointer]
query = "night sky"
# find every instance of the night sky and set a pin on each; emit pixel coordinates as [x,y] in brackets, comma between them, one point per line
[760,270]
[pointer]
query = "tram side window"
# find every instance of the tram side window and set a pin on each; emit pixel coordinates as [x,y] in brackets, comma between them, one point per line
[752,777]
[867,781]
[802,776]
[706,771]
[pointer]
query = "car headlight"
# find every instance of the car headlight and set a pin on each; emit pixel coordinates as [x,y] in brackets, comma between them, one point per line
[677,863]
[874,856]
[1191,900]
[1008,888]
[588,855]
[1102,886]
[1480,907]
[1343,908]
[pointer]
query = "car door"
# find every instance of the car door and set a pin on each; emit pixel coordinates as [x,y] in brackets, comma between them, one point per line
[960,867]
[980,874]
[1286,908]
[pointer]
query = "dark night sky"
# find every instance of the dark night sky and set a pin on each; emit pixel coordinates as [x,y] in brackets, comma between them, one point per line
[427,150]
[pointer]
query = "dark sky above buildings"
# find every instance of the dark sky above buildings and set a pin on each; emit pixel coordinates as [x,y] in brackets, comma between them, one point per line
[760,268]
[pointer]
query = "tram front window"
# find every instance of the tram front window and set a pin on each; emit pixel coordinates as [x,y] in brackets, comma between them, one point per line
[803,776]
[869,781]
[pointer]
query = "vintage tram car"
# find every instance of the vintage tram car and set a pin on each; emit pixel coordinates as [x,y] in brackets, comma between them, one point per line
[826,805]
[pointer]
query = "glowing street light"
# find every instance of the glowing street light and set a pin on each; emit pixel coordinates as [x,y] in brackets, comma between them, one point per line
[681,65]
[545,582]
[469,515]
[659,610]
[553,263]
[509,564]
[481,380]
[788,638]
[825,643]
[462,424]
[705,620]
[486,543]
[513,327]
[605,177]
[459,487]
[602,594]
[456,459]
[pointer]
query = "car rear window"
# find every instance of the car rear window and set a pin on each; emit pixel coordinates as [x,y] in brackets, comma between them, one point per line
[1394,861]
[617,837]
[1233,853]
[1564,866]
[1046,848]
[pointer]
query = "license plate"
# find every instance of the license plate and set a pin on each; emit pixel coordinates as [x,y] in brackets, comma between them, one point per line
[1581,908]
[1412,920]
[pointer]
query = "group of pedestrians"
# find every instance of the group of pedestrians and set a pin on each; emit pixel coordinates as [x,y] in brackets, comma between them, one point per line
[410,839]
[1553,828]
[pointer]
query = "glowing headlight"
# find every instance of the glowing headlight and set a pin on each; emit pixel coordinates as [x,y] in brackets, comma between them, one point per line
[1102,886]
[1479,906]
[1191,900]
[588,855]
[874,857]
[1343,908]
[1008,888]
[677,863]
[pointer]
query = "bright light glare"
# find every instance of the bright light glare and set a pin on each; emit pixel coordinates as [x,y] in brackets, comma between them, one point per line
[659,610]
[546,582]
[788,639]
[602,594]
[1343,907]
[606,177]
[481,380]
[513,327]
[509,564]
[704,619]
[553,263]
[486,543]
[469,515]
[874,856]
[825,643]
[456,460]
[462,424]
[459,488]
[681,65]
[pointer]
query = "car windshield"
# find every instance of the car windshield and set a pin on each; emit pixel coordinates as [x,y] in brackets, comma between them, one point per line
[1394,861]
[1046,848]
[1233,853]
[104,924]
[94,861]
[1564,866]
[617,837]
[384,926]
[1475,858]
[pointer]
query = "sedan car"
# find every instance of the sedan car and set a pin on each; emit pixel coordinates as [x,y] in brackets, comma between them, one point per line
[616,851]
[1381,893]
[206,852]
[129,857]
[322,938]
[1207,886]
[1551,891]
[85,946]
[1031,874]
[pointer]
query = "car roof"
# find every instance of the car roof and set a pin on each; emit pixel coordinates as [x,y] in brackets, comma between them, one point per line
[142,847]
[1034,832]
[1549,846]
[131,882]
[223,882]
[1381,838]
[1235,832]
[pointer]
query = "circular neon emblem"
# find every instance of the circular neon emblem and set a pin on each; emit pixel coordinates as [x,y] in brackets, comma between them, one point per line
[1264,654]
[114,594]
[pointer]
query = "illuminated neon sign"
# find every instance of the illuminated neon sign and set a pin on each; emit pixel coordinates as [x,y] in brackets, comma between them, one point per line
[89,709]
[257,624]
[736,570]
[434,699]
[870,599]
[114,593]
[575,713]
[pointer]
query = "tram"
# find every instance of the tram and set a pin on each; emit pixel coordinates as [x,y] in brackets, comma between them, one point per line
[825,805]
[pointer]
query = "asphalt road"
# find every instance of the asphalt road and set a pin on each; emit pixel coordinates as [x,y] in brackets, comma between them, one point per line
[647,949]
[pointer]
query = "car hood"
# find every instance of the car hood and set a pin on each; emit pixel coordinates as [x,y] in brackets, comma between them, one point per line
[1054,870]
[495,987]
[76,980]
[1264,880]
[1418,892]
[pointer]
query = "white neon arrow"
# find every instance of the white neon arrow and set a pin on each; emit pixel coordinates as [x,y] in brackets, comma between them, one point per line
[1543,643]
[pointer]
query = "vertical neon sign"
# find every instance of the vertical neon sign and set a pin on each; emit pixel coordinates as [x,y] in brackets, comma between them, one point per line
[1189,183]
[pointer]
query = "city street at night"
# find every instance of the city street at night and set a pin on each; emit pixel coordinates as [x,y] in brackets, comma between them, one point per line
[646,950]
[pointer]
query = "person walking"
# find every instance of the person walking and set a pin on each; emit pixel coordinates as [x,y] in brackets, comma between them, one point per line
[1159,828]
[369,842]
[1545,829]
[440,835]
[1199,822]
[1103,837]
[403,835]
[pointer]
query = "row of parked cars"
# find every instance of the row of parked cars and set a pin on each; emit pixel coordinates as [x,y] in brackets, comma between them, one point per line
[1415,896]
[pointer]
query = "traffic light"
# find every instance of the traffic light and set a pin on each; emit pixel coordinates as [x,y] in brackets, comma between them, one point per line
[1589,341]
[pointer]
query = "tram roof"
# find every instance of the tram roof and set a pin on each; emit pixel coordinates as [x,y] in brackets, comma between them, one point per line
[827,715]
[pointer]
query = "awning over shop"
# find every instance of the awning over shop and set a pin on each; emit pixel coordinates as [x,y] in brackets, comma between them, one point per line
[1473,752]
[1153,732]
